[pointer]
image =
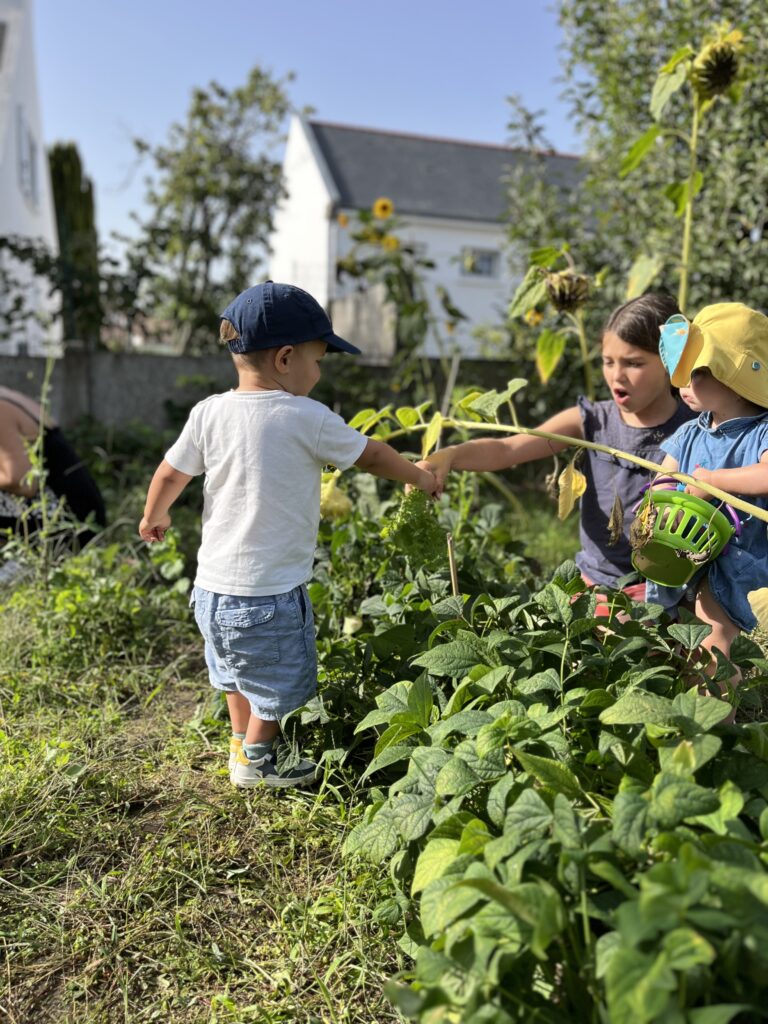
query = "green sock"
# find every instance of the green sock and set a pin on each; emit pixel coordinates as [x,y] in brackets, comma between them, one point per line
[238,735]
[255,751]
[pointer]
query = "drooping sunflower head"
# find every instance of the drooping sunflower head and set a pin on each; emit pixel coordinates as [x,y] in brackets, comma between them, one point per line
[716,65]
[567,290]
[383,208]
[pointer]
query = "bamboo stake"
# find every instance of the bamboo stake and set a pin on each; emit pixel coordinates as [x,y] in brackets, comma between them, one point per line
[452,564]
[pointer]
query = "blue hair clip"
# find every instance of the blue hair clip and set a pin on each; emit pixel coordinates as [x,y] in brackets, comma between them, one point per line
[674,335]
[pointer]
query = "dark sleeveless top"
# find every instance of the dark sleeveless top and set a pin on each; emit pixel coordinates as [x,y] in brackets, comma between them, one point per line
[608,476]
[66,475]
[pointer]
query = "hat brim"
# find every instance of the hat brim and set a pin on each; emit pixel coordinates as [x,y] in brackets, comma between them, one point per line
[337,344]
[691,358]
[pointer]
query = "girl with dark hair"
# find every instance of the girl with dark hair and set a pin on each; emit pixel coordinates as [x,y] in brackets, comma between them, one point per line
[641,412]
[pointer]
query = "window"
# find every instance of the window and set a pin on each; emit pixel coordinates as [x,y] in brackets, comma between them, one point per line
[479,262]
[27,158]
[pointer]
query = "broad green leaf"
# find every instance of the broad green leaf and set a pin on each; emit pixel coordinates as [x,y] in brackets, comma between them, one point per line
[514,385]
[452,826]
[537,904]
[377,839]
[496,801]
[682,54]
[433,862]
[683,192]
[453,659]
[395,734]
[665,86]
[362,417]
[545,256]
[540,682]
[407,416]
[686,949]
[549,349]
[637,986]
[720,1013]
[443,902]
[413,813]
[425,764]
[642,274]
[610,873]
[673,800]
[420,700]
[629,817]
[529,817]
[390,755]
[687,756]
[704,712]
[566,824]
[637,707]
[530,292]
[689,634]
[557,603]
[571,485]
[474,837]
[456,778]
[731,805]
[550,773]
[431,435]
[641,146]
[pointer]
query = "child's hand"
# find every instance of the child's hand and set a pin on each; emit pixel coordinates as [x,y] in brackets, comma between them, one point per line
[440,463]
[427,481]
[700,473]
[152,530]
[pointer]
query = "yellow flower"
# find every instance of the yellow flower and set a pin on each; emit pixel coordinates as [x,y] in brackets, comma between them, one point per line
[533,317]
[342,220]
[334,503]
[390,243]
[383,208]
[449,326]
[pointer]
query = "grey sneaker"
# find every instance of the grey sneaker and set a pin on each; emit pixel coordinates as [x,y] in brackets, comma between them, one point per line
[248,773]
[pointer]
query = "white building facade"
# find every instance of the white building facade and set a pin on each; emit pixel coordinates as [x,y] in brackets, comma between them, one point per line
[450,197]
[26,201]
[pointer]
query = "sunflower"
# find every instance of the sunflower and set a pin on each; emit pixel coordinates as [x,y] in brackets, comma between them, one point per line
[383,208]
[716,65]
[567,290]
[533,317]
[390,243]
[342,220]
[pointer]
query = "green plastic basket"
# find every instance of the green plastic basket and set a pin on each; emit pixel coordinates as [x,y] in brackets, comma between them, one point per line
[687,532]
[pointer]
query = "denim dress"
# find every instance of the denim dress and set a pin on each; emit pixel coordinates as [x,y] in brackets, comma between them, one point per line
[743,565]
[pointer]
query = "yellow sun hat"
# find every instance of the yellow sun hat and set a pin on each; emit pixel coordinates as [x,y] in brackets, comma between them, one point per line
[731,341]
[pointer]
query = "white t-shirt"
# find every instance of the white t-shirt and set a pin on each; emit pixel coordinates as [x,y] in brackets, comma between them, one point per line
[262,453]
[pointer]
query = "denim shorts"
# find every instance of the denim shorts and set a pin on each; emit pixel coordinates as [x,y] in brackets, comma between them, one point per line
[262,647]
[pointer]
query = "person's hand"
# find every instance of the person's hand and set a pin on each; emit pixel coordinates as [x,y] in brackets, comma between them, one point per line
[427,480]
[152,530]
[438,465]
[700,473]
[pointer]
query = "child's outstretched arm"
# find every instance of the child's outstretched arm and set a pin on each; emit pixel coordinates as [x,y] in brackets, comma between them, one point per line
[382,460]
[490,454]
[167,484]
[751,481]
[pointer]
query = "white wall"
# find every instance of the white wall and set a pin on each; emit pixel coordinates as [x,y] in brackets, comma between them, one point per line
[300,246]
[26,202]
[482,299]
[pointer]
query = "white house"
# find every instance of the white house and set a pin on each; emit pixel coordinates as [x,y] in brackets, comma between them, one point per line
[449,194]
[26,202]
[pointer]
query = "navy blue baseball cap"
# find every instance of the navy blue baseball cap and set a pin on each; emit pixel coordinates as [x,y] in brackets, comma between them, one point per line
[270,315]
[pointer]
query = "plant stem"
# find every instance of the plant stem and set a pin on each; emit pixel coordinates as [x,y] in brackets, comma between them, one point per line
[577,319]
[685,256]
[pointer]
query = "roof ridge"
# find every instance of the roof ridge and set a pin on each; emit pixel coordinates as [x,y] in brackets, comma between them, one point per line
[440,138]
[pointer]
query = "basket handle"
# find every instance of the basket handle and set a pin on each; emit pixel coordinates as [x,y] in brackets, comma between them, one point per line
[671,480]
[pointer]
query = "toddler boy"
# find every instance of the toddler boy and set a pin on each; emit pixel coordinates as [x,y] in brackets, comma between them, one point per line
[262,448]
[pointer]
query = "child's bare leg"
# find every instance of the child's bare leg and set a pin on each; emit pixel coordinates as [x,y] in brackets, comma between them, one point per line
[724,630]
[239,712]
[261,730]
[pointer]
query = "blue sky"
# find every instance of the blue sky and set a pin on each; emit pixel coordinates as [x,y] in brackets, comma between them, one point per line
[109,70]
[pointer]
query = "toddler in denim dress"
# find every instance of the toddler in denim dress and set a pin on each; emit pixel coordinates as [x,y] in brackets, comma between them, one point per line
[721,360]
[262,448]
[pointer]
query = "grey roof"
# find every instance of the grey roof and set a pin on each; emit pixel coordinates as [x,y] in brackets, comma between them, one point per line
[427,176]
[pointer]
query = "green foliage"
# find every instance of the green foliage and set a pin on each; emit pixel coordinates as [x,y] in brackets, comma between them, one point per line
[415,531]
[211,198]
[73,199]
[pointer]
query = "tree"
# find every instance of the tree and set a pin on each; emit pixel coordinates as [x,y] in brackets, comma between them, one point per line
[211,196]
[78,272]
[613,53]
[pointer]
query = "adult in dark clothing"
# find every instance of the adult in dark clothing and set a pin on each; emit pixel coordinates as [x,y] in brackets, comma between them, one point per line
[66,475]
